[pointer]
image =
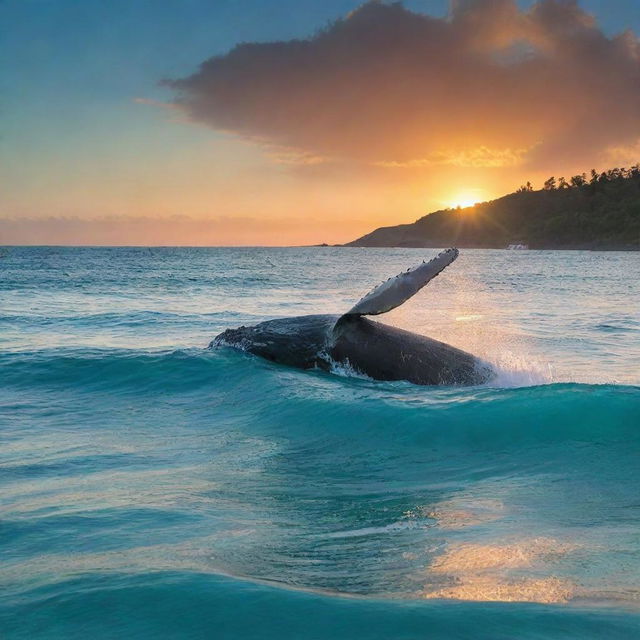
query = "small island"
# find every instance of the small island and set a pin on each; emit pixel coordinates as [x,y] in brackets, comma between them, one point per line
[600,212]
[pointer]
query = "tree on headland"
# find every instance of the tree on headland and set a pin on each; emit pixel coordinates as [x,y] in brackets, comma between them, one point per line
[579,180]
[525,188]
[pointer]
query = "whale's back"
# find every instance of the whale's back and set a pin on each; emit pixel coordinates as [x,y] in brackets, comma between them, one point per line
[387,353]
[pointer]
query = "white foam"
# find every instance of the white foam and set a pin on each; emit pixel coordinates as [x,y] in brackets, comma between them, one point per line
[514,370]
[344,369]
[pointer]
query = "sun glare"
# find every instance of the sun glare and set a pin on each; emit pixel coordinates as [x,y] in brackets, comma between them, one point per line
[463,200]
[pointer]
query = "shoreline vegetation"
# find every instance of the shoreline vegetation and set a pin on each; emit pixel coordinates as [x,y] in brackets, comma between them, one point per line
[599,211]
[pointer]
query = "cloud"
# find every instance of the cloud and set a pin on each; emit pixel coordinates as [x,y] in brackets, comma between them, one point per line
[490,85]
[292,156]
[626,154]
[478,157]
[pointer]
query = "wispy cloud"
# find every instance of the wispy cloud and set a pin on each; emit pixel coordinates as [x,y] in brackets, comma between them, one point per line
[476,158]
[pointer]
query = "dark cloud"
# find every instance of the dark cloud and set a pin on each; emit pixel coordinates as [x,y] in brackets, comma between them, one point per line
[490,85]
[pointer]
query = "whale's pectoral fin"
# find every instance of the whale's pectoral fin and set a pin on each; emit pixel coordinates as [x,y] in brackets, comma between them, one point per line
[395,291]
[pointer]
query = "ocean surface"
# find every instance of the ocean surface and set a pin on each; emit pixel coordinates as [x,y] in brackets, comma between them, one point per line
[153,488]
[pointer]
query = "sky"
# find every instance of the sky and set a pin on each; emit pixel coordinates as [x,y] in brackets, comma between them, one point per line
[263,122]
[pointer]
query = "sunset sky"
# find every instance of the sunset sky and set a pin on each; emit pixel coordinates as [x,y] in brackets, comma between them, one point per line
[246,122]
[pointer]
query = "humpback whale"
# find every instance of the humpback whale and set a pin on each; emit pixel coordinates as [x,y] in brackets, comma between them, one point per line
[371,348]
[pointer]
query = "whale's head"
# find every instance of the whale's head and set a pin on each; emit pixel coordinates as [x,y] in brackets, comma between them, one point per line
[240,338]
[296,341]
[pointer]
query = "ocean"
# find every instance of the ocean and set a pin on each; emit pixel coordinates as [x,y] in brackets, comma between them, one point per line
[153,488]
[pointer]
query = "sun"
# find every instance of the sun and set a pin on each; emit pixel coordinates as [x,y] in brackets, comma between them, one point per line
[463,200]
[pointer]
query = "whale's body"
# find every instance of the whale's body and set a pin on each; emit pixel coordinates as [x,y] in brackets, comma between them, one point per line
[374,349]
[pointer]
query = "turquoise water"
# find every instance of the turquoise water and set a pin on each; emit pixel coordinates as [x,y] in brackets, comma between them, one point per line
[152,488]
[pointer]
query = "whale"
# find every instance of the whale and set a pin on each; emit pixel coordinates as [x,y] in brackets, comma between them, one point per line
[362,345]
